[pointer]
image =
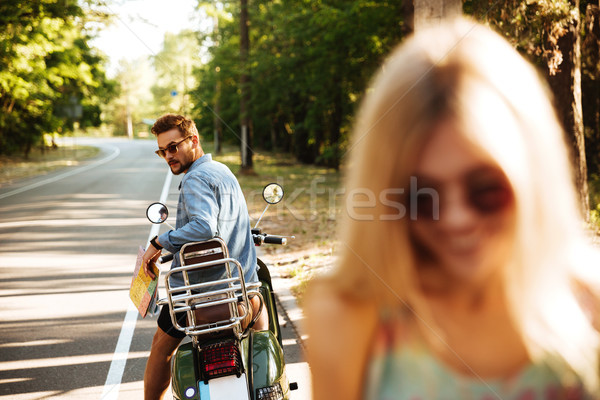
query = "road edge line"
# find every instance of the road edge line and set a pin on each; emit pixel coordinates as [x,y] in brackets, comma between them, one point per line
[117,366]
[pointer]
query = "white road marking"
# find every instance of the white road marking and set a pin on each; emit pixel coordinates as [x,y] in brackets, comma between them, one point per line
[48,342]
[95,222]
[72,172]
[117,366]
[55,362]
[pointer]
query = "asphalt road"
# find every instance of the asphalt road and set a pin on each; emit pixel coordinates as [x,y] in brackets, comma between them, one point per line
[68,243]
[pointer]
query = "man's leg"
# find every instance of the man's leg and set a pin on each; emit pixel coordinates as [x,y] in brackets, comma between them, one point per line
[158,369]
[262,324]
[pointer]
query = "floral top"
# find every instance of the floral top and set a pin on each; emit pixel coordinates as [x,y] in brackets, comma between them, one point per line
[412,372]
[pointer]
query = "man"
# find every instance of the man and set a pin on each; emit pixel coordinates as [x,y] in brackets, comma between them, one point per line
[211,204]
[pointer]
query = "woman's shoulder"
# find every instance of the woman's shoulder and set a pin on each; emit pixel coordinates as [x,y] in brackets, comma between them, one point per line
[340,331]
[327,306]
[588,296]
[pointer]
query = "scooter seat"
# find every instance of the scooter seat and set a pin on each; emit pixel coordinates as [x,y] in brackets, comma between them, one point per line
[213,314]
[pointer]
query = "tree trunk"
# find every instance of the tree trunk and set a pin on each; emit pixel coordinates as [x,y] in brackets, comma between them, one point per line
[273,132]
[590,87]
[408,26]
[432,12]
[218,125]
[245,122]
[566,86]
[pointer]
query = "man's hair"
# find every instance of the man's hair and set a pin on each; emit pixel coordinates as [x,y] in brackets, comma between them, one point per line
[171,121]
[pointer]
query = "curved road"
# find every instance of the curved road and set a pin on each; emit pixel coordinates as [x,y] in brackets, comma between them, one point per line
[68,243]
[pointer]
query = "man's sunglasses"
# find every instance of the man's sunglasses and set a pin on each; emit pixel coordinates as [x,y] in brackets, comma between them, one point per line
[172,148]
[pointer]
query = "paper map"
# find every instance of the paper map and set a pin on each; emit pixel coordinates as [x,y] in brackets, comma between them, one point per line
[143,288]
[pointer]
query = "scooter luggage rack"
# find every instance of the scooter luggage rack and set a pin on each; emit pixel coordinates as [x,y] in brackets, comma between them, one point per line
[231,295]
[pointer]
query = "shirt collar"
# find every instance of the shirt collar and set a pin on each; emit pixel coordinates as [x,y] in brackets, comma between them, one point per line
[204,159]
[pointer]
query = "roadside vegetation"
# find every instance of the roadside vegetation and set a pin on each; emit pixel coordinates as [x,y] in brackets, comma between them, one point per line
[309,211]
[306,69]
[594,183]
[41,161]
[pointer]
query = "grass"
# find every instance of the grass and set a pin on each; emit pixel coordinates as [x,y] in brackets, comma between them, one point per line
[594,188]
[309,211]
[14,167]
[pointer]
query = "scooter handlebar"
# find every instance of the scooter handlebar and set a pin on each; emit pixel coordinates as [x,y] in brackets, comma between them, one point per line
[166,258]
[275,240]
[259,239]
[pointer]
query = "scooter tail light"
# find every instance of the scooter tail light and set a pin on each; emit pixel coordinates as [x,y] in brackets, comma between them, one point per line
[220,359]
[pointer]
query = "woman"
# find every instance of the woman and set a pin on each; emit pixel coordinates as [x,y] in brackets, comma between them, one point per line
[464,270]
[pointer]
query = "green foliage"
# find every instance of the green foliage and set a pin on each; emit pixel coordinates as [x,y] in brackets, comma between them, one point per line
[595,203]
[534,27]
[134,97]
[46,66]
[310,62]
[173,65]
[160,84]
[594,191]
[590,85]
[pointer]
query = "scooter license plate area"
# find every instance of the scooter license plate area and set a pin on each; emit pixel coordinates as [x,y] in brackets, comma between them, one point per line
[224,388]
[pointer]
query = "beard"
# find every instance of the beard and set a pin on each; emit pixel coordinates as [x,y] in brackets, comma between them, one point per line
[178,168]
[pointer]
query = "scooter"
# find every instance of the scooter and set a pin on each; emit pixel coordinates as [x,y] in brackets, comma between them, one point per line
[226,359]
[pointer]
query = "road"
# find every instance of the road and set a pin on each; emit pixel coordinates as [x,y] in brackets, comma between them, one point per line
[68,242]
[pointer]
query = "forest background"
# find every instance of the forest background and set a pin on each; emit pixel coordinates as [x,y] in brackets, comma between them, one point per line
[292,87]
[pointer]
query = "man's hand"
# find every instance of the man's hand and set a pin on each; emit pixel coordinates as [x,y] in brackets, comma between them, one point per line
[150,256]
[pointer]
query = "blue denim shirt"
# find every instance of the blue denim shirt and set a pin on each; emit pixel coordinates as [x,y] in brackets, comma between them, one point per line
[211,203]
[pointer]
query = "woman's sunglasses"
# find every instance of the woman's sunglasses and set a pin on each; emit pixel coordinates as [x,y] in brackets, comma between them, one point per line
[484,197]
[172,148]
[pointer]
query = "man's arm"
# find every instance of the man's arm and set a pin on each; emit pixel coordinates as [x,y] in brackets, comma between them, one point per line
[202,210]
[151,255]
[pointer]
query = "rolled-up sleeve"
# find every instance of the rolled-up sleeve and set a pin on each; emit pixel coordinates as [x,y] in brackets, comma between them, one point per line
[200,202]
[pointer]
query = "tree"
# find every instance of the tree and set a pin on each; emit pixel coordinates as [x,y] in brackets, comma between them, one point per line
[427,12]
[174,65]
[216,96]
[245,120]
[565,82]
[45,65]
[309,63]
[135,101]
[548,34]
[590,85]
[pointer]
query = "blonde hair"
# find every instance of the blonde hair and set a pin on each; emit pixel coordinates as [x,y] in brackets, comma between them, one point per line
[464,71]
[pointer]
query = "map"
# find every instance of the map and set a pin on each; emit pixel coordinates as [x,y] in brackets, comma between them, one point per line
[143,289]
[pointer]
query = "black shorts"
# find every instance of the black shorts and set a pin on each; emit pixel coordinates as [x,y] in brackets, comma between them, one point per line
[165,323]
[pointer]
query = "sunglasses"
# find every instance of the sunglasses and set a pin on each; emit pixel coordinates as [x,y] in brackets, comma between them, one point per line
[485,197]
[172,148]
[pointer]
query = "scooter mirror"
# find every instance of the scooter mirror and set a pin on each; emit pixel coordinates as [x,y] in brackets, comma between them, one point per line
[157,213]
[273,193]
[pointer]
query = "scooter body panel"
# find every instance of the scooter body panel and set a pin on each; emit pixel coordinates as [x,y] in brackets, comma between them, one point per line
[268,371]
[268,364]
[267,295]
[184,373]
[187,386]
